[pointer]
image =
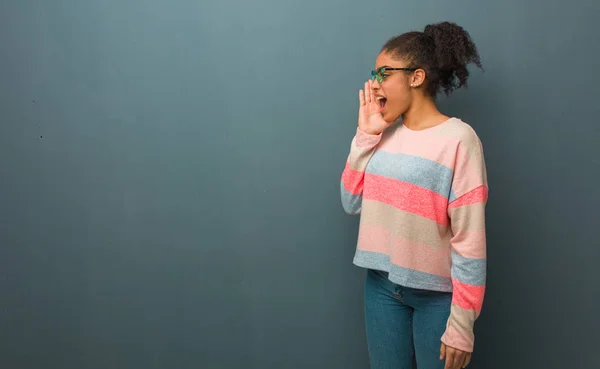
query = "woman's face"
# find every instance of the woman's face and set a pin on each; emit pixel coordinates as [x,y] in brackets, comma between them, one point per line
[394,89]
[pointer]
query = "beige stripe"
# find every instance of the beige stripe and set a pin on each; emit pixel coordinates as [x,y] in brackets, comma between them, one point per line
[468,218]
[359,157]
[476,161]
[458,130]
[462,319]
[455,128]
[405,225]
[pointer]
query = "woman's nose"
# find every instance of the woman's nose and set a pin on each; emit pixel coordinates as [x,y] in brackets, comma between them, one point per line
[375,84]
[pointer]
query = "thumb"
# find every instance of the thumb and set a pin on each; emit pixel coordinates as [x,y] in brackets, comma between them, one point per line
[442,351]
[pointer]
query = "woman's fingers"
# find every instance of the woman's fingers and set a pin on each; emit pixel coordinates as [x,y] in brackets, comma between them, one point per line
[453,359]
[361,97]
[467,360]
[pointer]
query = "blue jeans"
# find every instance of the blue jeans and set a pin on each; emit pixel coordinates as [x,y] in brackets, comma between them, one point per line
[404,325]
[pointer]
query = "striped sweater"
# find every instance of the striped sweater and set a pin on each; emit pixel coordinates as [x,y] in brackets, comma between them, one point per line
[421,197]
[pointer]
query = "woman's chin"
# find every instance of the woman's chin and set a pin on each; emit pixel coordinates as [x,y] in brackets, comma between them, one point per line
[389,118]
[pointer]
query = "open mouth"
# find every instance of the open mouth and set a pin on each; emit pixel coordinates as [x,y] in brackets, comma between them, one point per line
[382,101]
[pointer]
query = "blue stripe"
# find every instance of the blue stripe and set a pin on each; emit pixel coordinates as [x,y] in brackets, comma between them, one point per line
[467,270]
[352,203]
[418,171]
[402,276]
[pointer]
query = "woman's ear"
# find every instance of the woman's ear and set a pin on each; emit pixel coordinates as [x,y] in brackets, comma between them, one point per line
[417,78]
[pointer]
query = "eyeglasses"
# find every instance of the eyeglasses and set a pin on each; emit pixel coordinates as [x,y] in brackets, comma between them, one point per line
[380,75]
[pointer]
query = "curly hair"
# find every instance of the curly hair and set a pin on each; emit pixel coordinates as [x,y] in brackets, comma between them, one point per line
[443,50]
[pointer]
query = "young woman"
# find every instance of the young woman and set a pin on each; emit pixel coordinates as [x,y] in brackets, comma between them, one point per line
[420,187]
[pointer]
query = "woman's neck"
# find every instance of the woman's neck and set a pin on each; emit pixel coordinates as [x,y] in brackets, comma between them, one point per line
[423,114]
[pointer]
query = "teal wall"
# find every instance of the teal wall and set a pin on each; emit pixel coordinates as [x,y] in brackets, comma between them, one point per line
[169,190]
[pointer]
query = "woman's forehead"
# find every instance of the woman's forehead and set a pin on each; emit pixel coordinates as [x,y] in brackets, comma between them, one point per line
[385,60]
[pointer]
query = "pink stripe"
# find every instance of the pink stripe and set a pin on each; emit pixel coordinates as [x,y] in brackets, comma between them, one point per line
[407,197]
[459,339]
[352,180]
[479,194]
[466,296]
[404,253]
[430,151]
[470,244]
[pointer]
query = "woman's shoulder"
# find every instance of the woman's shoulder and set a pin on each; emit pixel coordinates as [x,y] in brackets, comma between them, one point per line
[461,131]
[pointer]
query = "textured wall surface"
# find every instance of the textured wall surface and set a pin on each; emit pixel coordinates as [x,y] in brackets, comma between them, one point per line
[169,190]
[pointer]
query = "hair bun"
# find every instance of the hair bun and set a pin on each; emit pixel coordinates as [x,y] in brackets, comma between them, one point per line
[443,50]
[454,50]
[429,29]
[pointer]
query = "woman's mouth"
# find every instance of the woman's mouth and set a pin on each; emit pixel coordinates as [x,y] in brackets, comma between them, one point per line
[382,101]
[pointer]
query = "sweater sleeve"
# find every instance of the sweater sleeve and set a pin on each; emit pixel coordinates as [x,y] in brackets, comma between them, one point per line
[362,148]
[466,211]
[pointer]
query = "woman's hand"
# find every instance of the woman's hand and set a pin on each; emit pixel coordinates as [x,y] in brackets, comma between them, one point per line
[455,358]
[369,114]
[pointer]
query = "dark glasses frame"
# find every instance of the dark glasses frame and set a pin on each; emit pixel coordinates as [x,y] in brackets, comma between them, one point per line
[378,74]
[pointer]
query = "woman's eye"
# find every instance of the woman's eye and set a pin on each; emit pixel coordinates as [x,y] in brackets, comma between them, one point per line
[384,75]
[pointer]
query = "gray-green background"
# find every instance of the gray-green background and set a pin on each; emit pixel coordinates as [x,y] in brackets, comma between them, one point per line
[169,180]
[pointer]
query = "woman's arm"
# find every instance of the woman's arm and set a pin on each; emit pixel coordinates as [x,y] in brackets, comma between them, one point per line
[466,211]
[362,148]
[368,134]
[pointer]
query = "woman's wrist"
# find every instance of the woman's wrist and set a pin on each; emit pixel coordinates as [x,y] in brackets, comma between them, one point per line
[369,131]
